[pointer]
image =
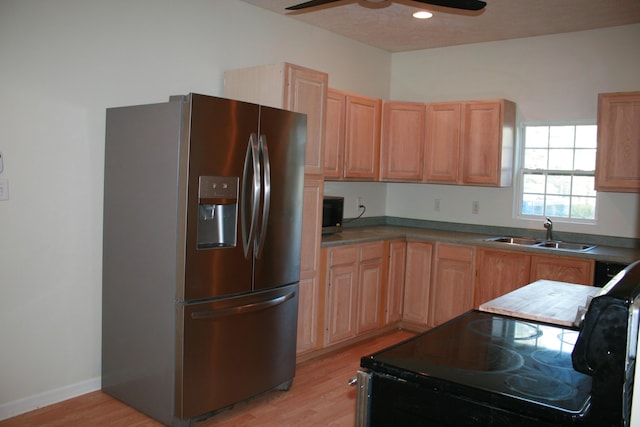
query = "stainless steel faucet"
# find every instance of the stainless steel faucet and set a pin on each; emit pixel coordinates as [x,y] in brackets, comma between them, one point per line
[549,226]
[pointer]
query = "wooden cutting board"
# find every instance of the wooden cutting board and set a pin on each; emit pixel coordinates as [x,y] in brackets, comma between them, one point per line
[544,300]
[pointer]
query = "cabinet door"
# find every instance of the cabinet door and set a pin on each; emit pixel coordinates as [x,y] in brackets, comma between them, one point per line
[370,281]
[341,303]
[311,224]
[403,141]
[417,282]
[618,154]
[395,281]
[488,136]
[362,137]
[562,269]
[308,314]
[334,135]
[308,303]
[452,287]
[306,92]
[443,143]
[499,272]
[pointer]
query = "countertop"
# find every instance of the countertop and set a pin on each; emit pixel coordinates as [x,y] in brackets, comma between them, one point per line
[545,301]
[353,235]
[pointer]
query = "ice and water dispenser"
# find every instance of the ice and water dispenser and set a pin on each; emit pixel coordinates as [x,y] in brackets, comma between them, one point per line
[217,211]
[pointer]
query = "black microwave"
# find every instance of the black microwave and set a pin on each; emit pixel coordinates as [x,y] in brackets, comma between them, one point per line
[332,210]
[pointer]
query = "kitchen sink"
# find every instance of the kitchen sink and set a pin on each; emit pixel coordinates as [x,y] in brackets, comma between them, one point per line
[549,244]
[515,240]
[566,246]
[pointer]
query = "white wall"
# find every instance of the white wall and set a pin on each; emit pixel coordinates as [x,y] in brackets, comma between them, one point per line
[63,63]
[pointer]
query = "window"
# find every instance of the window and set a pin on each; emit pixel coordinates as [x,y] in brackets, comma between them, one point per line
[557,172]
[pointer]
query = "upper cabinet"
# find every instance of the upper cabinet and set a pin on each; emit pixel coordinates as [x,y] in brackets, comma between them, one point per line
[334,135]
[290,87]
[402,144]
[618,155]
[353,130]
[470,143]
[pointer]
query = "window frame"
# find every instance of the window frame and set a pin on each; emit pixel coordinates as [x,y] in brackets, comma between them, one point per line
[520,171]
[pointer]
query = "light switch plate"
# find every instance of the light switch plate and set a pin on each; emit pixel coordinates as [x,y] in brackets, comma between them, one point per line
[4,189]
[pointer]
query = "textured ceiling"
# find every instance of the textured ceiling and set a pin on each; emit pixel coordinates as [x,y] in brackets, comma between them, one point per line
[393,28]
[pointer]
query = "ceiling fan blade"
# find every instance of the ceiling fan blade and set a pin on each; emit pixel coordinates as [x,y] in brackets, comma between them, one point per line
[311,3]
[457,4]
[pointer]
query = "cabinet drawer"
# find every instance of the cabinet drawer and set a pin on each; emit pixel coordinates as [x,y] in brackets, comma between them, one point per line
[371,251]
[461,253]
[343,255]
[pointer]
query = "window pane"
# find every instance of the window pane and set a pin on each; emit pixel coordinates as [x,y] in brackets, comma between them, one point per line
[583,186]
[561,159]
[585,160]
[534,183]
[583,207]
[532,204]
[558,168]
[561,137]
[586,136]
[535,159]
[557,206]
[536,136]
[559,184]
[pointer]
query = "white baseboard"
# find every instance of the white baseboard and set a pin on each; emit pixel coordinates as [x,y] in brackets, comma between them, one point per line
[20,406]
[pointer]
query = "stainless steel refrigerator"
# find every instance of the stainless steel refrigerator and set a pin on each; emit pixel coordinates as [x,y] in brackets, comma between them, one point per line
[201,253]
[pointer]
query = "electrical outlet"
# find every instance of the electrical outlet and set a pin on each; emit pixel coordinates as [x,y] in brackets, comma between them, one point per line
[475,207]
[436,205]
[359,202]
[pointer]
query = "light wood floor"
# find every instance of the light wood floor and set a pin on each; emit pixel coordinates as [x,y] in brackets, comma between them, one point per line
[319,396]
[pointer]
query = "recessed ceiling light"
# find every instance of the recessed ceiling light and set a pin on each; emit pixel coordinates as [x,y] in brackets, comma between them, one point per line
[422,14]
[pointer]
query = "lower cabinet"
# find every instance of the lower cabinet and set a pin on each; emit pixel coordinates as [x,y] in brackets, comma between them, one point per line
[562,269]
[394,301]
[502,271]
[452,288]
[417,283]
[499,272]
[354,290]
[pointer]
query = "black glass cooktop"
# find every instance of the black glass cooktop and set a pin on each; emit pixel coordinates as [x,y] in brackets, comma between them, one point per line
[501,356]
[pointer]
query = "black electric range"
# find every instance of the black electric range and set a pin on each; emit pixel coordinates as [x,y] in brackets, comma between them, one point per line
[486,369]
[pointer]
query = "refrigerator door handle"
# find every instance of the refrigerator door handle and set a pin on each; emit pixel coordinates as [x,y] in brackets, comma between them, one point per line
[251,172]
[243,309]
[266,171]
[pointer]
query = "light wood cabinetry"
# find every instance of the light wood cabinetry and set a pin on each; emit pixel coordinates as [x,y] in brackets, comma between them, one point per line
[334,135]
[471,143]
[309,303]
[370,284]
[395,281]
[361,152]
[342,294]
[618,155]
[452,288]
[443,142]
[403,141]
[289,87]
[562,269]
[354,291]
[499,272]
[417,283]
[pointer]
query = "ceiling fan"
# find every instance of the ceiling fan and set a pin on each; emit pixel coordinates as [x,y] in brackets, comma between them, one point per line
[454,4]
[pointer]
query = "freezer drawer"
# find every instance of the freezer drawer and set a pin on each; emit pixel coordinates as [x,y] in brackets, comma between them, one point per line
[235,348]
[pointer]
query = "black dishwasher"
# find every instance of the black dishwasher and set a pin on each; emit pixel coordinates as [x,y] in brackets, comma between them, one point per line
[604,271]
